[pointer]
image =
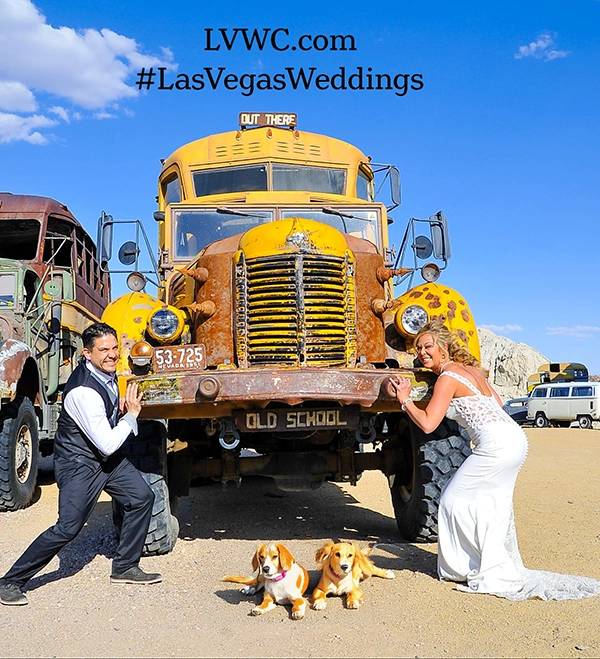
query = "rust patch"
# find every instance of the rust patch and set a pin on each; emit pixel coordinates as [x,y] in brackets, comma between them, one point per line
[416,294]
[470,332]
[429,296]
[465,315]
[451,314]
[462,302]
[452,305]
[435,303]
[462,334]
[446,291]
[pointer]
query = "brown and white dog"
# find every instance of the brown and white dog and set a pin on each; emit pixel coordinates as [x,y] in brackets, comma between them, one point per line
[344,566]
[283,579]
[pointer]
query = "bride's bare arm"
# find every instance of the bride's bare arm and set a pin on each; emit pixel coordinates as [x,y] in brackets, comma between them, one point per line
[429,418]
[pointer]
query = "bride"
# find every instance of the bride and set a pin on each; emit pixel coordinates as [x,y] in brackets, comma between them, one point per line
[477,542]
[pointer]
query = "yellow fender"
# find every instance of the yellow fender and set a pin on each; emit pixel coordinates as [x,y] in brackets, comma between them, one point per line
[441,303]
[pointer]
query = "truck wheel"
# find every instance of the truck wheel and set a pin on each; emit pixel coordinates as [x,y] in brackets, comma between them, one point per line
[19,454]
[164,526]
[585,422]
[147,453]
[540,420]
[432,464]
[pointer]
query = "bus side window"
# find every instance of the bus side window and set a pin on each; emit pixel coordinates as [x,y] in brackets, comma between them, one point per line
[58,243]
[172,190]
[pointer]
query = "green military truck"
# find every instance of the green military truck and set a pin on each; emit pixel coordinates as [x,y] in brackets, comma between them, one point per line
[51,289]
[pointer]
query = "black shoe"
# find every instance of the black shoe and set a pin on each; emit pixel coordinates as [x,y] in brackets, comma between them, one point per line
[135,575]
[11,595]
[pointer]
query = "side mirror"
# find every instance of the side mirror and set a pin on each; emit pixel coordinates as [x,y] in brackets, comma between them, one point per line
[423,247]
[128,253]
[439,234]
[105,237]
[395,192]
[159,216]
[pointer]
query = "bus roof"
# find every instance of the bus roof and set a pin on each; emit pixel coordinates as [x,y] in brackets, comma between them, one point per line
[23,204]
[272,143]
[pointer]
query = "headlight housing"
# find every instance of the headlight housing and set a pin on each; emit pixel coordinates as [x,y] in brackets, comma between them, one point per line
[410,320]
[165,325]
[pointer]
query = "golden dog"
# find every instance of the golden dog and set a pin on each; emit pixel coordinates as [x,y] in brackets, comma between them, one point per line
[283,579]
[344,566]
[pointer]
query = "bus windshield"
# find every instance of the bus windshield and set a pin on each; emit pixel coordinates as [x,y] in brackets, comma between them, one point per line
[20,239]
[356,222]
[195,229]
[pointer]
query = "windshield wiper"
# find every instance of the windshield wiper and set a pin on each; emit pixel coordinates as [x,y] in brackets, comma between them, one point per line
[334,211]
[229,211]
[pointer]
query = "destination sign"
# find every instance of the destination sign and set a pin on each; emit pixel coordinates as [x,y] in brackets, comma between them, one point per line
[289,119]
[296,419]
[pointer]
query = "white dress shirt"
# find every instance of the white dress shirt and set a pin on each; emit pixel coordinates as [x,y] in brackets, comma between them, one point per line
[86,407]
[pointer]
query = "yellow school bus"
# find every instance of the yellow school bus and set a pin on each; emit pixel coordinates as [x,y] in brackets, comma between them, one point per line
[275,326]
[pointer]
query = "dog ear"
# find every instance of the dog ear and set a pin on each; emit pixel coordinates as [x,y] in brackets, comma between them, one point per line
[323,553]
[361,560]
[255,561]
[286,560]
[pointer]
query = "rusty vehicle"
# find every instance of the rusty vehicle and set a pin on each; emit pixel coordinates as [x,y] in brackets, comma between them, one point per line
[51,289]
[275,326]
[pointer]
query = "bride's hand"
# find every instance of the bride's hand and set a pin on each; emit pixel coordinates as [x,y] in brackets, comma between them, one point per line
[401,387]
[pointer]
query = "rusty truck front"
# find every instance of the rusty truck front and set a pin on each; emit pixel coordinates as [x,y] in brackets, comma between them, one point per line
[275,328]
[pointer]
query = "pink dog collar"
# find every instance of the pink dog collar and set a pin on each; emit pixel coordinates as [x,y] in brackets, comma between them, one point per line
[279,577]
[335,574]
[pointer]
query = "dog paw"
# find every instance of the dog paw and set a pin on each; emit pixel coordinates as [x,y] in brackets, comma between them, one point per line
[248,590]
[353,604]
[319,605]
[256,611]
[297,615]
[389,574]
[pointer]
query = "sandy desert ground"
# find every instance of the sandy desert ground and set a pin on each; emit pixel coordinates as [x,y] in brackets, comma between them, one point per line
[75,612]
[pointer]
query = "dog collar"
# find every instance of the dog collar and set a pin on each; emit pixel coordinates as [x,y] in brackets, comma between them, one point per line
[335,574]
[279,577]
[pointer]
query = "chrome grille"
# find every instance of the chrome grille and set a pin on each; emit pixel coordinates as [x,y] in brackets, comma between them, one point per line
[296,309]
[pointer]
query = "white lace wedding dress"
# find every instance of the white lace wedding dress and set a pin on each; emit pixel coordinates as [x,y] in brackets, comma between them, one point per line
[477,541]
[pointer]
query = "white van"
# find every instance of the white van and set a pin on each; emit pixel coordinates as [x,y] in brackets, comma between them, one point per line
[563,402]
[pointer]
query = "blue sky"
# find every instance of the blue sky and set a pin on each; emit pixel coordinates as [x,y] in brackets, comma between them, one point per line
[504,135]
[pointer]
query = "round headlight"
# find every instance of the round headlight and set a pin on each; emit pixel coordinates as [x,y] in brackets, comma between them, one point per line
[164,325]
[430,272]
[414,318]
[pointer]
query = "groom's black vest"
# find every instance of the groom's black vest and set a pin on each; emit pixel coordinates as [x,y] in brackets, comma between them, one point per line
[70,441]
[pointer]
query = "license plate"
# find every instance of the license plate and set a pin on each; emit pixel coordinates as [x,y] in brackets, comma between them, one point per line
[179,358]
[296,420]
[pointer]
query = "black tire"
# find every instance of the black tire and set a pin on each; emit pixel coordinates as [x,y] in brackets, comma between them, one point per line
[147,452]
[164,526]
[585,422]
[19,455]
[432,464]
[540,420]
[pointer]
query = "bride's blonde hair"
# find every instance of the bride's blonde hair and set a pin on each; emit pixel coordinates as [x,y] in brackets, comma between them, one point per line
[448,341]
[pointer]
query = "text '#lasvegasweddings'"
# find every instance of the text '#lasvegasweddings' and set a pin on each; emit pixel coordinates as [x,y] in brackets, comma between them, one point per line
[215,78]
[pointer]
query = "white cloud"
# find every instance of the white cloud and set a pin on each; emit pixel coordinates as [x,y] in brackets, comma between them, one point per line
[578,331]
[15,97]
[542,48]
[502,328]
[88,69]
[60,112]
[14,128]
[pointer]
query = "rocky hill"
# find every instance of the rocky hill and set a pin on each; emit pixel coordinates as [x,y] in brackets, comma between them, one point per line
[509,363]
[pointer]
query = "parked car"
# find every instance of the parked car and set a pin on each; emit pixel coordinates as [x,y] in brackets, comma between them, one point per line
[562,403]
[516,408]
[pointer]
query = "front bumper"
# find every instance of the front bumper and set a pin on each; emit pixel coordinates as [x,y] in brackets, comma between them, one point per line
[212,394]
